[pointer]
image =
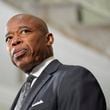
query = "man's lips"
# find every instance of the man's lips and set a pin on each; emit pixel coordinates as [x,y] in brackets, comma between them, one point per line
[17,53]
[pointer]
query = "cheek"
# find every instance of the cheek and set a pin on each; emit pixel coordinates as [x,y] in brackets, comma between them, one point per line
[34,47]
[31,49]
[36,52]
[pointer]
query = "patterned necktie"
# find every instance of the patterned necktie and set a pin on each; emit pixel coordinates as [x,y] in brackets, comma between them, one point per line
[24,91]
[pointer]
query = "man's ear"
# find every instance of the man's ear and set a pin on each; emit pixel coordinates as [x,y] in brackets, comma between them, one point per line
[49,39]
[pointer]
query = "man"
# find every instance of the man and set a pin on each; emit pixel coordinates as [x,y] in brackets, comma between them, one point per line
[55,86]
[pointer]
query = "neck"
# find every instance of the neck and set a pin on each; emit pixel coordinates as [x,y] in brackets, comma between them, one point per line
[37,64]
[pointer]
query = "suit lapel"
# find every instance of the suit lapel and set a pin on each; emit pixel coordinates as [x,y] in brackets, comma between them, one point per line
[40,82]
[16,99]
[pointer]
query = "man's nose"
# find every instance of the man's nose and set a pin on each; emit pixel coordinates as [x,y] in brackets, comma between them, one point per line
[16,41]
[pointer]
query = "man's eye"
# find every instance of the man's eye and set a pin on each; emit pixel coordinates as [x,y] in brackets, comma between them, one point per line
[25,31]
[8,38]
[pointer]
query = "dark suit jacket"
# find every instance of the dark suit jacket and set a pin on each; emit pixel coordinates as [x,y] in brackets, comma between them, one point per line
[63,87]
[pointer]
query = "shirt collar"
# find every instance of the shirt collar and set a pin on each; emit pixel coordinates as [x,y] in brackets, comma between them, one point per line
[39,68]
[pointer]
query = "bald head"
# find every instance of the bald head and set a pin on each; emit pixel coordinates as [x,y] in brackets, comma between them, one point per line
[37,22]
[28,41]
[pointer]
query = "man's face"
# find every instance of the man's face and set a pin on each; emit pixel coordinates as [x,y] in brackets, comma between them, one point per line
[25,43]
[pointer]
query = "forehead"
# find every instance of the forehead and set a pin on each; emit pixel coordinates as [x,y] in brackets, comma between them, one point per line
[20,21]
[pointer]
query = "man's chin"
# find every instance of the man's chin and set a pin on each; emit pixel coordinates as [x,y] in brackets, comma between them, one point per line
[18,60]
[23,65]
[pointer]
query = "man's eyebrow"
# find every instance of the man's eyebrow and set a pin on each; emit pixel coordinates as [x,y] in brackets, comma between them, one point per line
[7,34]
[21,27]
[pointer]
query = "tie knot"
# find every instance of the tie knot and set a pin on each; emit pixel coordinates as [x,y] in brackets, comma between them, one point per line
[30,78]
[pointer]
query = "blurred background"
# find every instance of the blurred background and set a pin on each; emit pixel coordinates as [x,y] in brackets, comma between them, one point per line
[81,29]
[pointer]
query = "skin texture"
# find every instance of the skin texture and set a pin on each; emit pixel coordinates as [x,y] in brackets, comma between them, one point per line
[28,41]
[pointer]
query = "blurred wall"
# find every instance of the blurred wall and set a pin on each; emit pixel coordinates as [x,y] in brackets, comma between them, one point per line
[8,73]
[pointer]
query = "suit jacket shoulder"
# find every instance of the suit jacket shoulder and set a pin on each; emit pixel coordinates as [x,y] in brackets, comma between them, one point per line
[78,88]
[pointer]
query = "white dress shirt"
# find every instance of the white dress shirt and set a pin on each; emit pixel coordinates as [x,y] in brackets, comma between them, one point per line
[38,69]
